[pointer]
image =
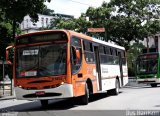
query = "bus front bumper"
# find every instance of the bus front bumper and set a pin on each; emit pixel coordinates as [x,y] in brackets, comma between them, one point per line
[148,80]
[63,91]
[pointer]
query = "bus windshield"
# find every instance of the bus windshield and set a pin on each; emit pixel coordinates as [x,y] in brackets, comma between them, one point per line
[147,64]
[43,60]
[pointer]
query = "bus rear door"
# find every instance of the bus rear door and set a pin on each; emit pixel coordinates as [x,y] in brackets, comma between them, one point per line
[121,67]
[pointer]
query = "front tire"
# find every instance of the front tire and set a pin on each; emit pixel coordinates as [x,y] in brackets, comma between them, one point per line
[154,85]
[116,90]
[44,103]
[85,98]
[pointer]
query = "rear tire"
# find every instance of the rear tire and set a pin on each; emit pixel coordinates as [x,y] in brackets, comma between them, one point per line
[84,99]
[154,85]
[116,90]
[44,103]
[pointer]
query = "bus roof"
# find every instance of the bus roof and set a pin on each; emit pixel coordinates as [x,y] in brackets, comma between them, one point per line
[96,40]
[73,33]
[38,32]
[108,44]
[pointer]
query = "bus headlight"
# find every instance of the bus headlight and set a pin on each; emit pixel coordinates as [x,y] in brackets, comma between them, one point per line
[62,83]
[155,76]
[20,86]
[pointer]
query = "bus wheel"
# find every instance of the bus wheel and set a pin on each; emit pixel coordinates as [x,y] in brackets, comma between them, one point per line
[44,103]
[116,90]
[153,85]
[84,99]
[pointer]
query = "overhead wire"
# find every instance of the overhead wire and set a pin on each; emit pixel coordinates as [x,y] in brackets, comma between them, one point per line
[81,3]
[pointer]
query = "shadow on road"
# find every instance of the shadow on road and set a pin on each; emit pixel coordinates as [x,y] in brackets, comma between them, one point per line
[36,106]
[53,104]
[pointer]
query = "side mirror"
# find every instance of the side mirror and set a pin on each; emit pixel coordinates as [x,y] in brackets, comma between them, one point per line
[76,55]
[9,54]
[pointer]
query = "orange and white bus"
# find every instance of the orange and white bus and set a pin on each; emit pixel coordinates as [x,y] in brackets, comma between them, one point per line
[63,64]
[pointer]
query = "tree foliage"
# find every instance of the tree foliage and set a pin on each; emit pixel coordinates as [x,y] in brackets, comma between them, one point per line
[15,10]
[47,11]
[79,25]
[134,21]
[5,35]
[124,21]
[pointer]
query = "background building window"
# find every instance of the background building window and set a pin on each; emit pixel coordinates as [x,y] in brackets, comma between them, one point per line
[42,21]
[46,21]
[27,23]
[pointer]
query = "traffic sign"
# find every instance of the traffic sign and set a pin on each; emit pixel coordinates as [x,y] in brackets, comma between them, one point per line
[96,29]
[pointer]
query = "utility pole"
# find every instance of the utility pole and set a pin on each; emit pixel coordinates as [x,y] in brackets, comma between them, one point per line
[3,75]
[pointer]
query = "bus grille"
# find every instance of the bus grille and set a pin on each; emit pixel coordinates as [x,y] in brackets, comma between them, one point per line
[146,82]
[142,77]
[45,87]
[45,95]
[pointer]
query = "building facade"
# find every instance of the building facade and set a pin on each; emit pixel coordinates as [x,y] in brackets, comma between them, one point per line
[152,42]
[28,26]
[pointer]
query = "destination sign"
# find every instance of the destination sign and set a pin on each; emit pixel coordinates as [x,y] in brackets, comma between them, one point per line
[149,56]
[42,37]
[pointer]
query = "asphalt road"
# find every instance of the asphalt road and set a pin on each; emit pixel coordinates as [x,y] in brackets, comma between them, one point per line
[133,100]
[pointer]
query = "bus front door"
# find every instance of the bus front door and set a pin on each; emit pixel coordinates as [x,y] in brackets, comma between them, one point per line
[98,67]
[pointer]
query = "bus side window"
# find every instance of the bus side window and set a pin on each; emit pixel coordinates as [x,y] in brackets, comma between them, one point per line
[88,51]
[107,50]
[73,54]
[76,45]
[102,49]
[111,51]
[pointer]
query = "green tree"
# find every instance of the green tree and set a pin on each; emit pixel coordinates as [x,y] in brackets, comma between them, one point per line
[66,24]
[79,25]
[47,11]
[5,34]
[124,21]
[82,24]
[15,10]
[134,21]
[98,17]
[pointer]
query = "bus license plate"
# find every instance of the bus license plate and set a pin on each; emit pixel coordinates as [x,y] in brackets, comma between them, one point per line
[146,80]
[39,93]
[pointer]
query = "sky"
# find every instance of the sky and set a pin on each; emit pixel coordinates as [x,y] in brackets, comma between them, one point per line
[73,7]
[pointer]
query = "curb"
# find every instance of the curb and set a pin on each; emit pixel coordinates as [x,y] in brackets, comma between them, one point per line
[7,98]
